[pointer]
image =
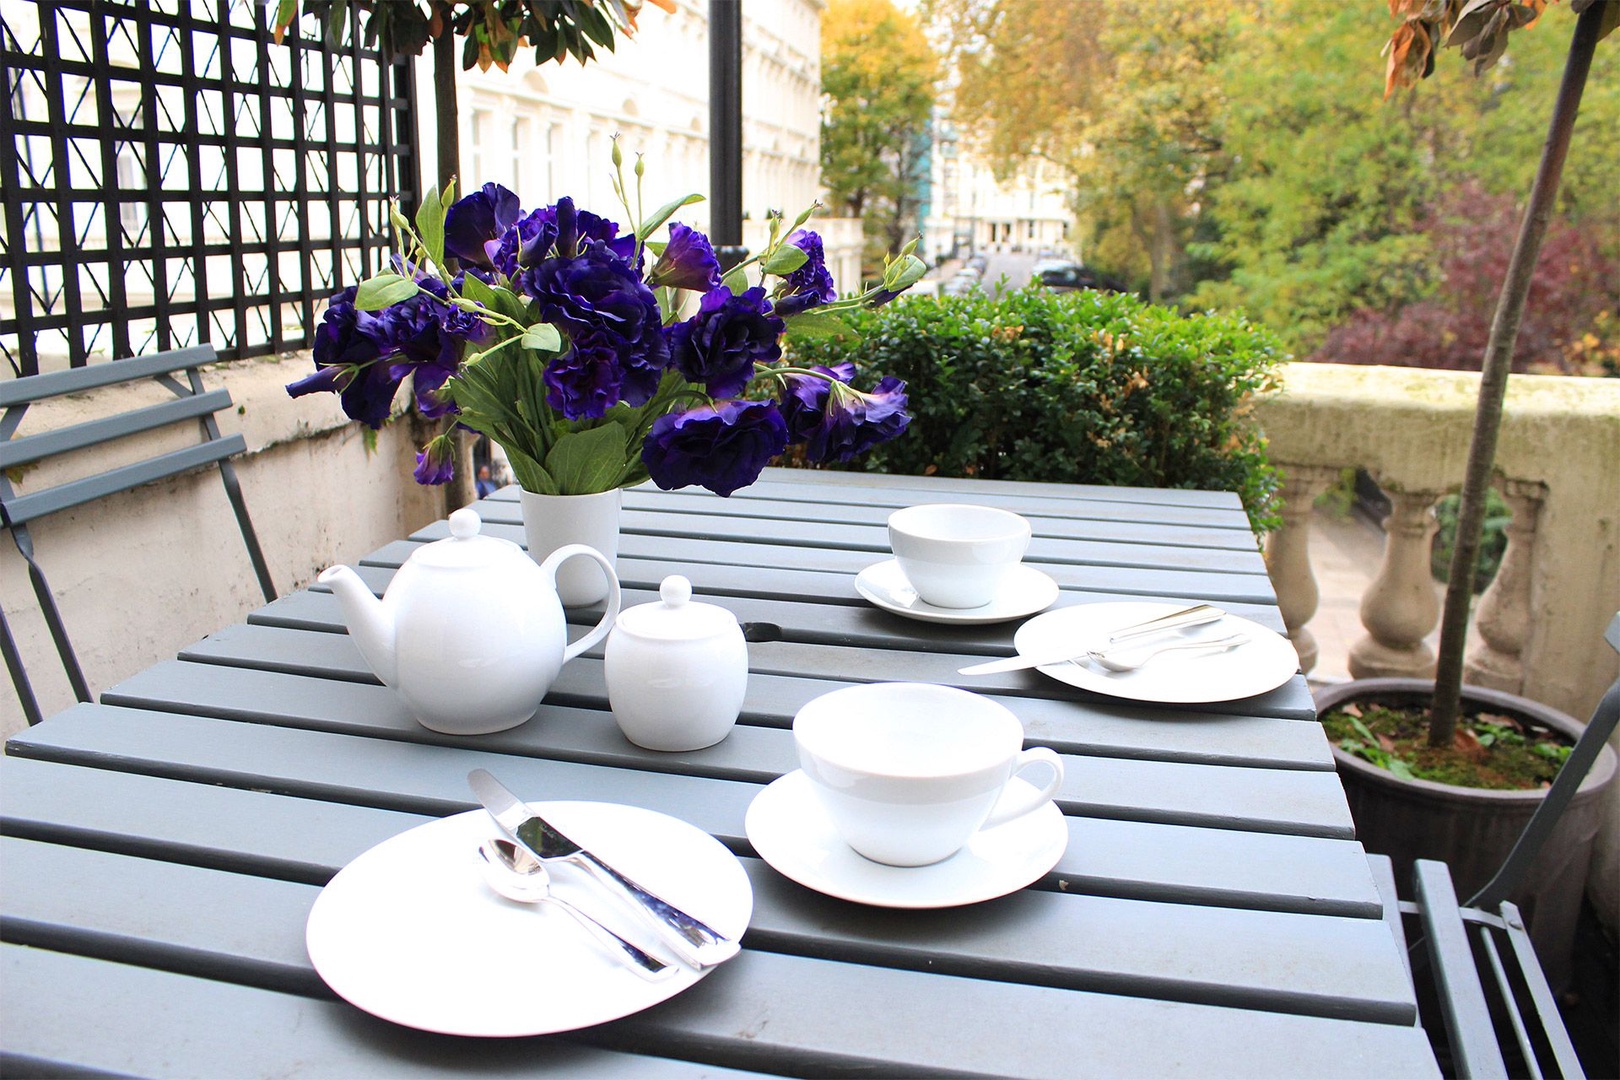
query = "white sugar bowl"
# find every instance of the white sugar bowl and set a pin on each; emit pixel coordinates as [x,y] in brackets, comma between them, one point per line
[676,670]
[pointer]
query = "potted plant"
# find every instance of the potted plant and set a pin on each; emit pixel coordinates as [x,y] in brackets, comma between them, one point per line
[598,359]
[1396,811]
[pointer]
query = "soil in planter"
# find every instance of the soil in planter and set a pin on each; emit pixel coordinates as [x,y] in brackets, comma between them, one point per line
[1491,750]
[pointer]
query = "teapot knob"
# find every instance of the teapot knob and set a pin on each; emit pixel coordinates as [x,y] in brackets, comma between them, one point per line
[465,523]
[675,590]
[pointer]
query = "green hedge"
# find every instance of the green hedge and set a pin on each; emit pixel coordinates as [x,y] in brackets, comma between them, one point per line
[1077,387]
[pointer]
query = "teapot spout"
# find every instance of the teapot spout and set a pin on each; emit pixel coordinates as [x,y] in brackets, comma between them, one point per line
[371,624]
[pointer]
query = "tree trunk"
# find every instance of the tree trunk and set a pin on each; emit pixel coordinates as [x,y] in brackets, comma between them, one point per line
[1497,362]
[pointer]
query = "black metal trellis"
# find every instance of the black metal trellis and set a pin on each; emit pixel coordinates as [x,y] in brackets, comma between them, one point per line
[172,177]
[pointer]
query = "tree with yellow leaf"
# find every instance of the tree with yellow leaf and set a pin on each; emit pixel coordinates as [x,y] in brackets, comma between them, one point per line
[878,77]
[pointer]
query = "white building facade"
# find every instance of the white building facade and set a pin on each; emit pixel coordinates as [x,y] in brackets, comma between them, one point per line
[967,209]
[547,131]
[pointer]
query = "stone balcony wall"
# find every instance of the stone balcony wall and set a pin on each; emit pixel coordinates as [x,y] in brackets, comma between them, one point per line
[1558,467]
[142,574]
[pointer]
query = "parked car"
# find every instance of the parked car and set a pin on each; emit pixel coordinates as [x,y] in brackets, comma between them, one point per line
[1069,277]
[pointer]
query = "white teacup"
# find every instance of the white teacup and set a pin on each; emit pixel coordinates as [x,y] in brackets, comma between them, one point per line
[956,555]
[909,772]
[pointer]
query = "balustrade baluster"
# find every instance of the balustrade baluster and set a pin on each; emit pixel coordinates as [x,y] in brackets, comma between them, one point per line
[1401,606]
[1502,614]
[1288,556]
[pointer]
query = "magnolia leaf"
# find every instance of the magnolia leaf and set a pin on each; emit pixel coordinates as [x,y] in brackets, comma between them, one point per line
[384,290]
[430,224]
[784,260]
[586,462]
[817,324]
[663,214]
[544,337]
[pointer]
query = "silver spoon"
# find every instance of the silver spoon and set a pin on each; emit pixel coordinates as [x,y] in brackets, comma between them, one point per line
[1131,659]
[520,877]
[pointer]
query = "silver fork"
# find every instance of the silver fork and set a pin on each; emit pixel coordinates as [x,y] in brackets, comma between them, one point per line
[1131,659]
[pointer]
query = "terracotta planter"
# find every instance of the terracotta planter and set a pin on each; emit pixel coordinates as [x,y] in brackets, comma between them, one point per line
[1471,829]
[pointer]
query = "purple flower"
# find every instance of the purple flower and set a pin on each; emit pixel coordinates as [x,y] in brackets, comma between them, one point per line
[811,283]
[723,447]
[478,219]
[526,243]
[348,351]
[688,261]
[600,303]
[720,345]
[436,464]
[586,381]
[837,422]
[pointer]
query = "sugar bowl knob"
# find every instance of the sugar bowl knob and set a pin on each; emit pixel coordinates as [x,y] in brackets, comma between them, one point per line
[677,670]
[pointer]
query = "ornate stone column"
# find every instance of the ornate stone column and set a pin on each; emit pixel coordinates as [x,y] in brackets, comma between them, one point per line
[1502,615]
[1288,555]
[1400,607]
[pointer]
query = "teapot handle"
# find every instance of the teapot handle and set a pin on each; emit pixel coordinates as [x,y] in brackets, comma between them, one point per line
[600,630]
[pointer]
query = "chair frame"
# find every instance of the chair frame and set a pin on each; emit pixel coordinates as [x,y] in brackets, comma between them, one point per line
[1456,935]
[192,401]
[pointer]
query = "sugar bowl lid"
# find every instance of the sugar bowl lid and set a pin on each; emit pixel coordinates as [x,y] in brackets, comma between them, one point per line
[676,616]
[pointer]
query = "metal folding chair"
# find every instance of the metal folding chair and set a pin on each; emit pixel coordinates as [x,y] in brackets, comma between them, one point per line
[1494,1000]
[192,402]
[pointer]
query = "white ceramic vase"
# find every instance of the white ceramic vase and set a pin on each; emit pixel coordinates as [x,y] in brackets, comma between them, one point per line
[553,521]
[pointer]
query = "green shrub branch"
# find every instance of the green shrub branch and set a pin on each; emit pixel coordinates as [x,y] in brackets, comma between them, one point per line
[1080,387]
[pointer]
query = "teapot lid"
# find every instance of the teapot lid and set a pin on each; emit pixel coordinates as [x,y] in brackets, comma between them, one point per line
[675,617]
[465,548]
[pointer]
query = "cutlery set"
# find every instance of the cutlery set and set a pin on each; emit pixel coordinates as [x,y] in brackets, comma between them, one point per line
[516,867]
[1124,651]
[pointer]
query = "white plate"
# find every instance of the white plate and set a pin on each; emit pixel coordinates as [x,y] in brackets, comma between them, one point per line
[1027,590]
[410,932]
[1264,662]
[791,832]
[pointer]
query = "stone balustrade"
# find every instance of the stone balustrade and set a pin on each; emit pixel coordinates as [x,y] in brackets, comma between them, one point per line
[1540,622]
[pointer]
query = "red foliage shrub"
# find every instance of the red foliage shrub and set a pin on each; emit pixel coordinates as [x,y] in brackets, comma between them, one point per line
[1568,325]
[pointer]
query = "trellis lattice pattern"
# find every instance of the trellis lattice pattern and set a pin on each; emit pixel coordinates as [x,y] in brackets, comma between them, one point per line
[173,177]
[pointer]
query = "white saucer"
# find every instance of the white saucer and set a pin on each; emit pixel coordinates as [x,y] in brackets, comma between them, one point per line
[791,832]
[1264,662]
[1027,590]
[410,932]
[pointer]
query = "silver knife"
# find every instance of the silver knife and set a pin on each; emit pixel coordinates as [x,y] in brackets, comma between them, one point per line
[693,940]
[1197,615]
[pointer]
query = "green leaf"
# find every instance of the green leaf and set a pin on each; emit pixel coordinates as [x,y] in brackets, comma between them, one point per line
[529,473]
[337,19]
[784,260]
[736,280]
[1401,769]
[816,324]
[473,288]
[585,462]
[663,214]
[430,225]
[379,292]
[544,337]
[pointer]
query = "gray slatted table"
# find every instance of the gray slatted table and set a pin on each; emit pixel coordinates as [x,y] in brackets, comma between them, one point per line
[1212,916]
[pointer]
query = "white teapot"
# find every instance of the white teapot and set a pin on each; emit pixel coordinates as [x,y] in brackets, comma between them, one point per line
[470,631]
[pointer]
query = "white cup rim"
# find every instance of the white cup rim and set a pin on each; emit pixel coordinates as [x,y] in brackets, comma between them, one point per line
[905,519]
[826,711]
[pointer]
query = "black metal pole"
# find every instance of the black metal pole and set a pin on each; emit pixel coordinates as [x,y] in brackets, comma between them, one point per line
[725,131]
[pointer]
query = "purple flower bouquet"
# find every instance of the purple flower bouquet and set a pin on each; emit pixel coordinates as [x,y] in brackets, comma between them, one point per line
[558,340]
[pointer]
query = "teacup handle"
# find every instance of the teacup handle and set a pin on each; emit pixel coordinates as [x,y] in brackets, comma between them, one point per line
[1008,808]
[600,630]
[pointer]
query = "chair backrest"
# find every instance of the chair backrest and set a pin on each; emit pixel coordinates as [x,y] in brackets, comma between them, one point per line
[1483,963]
[1574,770]
[178,371]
